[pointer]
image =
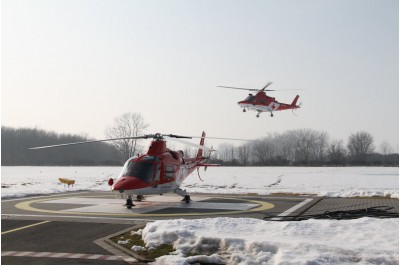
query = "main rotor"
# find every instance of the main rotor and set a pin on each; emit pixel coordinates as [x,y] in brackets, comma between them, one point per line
[251,89]
[155,137]
[257,90]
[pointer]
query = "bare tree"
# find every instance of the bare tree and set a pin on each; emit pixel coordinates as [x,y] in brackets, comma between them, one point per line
[360,144]
[126,125]
[386,148]
[243,153]
[226,152]
[304,145]
[263,150]
[337,152]
[285,145]
[320,145]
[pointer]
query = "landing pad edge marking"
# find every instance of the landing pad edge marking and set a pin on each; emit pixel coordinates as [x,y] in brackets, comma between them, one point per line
[26,205]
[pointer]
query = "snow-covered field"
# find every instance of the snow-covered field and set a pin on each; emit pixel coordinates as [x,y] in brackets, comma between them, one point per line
[252,242]
[23,181]
[322,181]
[248,241]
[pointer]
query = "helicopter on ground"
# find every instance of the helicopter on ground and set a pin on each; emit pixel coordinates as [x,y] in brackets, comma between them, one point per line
[159,171]
[263,103]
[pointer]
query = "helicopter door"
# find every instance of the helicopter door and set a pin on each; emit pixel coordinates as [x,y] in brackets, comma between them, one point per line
[169,172]
[158,173]
[156,181]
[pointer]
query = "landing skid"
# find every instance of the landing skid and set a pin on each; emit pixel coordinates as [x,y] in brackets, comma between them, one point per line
[258,115]
[183,193]
[186,199]
[129,203]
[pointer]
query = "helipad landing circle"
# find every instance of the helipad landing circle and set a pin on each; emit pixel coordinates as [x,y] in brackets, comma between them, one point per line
[172,207]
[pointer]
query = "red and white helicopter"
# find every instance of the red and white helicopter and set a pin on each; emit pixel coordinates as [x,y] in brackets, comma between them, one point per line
[263,103]
[159,171]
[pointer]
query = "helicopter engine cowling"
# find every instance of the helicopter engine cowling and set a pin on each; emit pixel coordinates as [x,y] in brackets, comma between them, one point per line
[177,155]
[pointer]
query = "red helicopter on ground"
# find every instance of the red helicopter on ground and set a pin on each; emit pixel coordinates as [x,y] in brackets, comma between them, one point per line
[159,171]
[263,103]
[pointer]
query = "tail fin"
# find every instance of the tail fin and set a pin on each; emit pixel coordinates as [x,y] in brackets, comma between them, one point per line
[295,100]
[200,152]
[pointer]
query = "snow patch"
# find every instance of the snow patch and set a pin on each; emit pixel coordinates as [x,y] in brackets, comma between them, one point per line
[138,232]
[123,242]
[248,241]
[137,248]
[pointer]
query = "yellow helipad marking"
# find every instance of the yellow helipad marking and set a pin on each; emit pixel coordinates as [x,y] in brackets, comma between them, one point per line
[24,227]
[27,206]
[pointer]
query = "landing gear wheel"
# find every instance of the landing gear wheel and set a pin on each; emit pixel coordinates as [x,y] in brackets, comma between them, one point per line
[258,116]
[139,198]
[186,198]
[272,115]
[244,110]
[129,203]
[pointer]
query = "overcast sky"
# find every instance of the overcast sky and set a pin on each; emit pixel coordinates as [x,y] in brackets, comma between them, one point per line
[72,66]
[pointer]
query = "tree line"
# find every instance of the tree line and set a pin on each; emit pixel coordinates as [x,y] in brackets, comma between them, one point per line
[302,147]
[308,147]
[16,141]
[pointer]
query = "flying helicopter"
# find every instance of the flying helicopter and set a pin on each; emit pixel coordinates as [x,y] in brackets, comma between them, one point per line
[263,103]
[159,171]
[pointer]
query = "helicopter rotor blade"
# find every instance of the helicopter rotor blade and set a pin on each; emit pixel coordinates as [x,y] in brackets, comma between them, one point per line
[241,88]
[267,85]
[172,137]
[223,138]
[262,89]
[176,136]
[93,141]
[286,89]
[189,143]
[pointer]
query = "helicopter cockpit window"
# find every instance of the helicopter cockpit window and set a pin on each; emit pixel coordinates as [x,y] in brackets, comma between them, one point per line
[143,169]
[251,98]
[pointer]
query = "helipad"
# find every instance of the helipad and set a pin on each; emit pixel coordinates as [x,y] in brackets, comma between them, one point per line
[81,220]
[152,206]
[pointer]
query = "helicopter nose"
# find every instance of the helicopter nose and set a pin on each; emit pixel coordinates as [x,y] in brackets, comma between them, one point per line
[128,183]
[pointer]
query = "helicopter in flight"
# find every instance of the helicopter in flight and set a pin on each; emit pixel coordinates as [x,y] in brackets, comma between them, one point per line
[263,103]
[159,171]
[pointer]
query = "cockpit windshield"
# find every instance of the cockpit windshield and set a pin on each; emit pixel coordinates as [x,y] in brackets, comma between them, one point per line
[143,169]
[251,98]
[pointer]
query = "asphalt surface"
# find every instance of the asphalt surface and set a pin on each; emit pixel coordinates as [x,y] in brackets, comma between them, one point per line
[57,237]
[63,228]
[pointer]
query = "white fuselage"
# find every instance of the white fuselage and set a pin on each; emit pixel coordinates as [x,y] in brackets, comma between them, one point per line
[161,188]
[260,108]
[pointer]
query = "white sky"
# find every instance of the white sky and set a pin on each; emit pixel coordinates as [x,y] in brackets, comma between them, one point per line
[72,66]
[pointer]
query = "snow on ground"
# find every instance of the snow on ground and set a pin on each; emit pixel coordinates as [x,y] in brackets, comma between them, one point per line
[248,241]
[322,181]
[23,181]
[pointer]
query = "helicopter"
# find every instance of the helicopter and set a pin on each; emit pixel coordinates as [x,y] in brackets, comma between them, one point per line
[159,171]
[263,103]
